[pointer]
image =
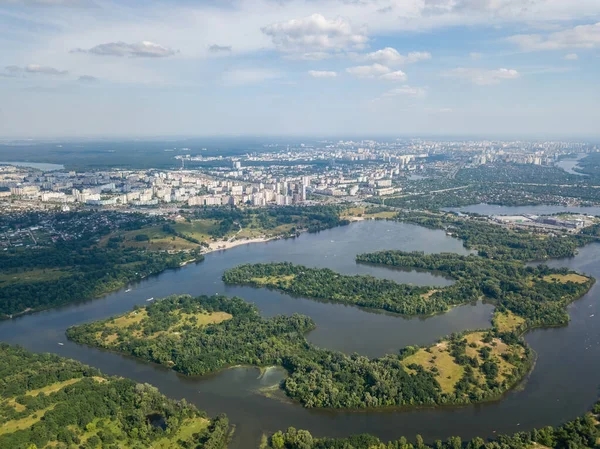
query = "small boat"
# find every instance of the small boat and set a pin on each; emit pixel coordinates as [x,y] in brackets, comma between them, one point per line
[128,290]
[61,344]
[591,315]
[150,299]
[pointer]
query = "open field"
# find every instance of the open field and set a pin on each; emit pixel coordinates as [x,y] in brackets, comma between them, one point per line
[23,423]
[564,278]
[507,321]
[449,372]
[439,360]
[363,212]
[132,323]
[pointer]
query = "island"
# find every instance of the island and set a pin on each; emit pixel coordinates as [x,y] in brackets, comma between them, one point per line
[200,335]
[47,401]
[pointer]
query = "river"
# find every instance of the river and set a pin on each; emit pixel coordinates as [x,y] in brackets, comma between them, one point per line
[569,164]
[562,386]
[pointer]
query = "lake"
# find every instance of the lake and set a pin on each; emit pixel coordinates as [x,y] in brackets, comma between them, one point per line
[562,386]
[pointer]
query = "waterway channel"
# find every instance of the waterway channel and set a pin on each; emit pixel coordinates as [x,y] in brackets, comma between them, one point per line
[563,384]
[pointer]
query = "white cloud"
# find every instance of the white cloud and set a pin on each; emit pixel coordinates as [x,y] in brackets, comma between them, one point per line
[398,75]
[407,91]
[572,57]
[390,56]
[322,74]
[16,71]
[582,36]
[368,71]
[377,71]
[240,77]
[214,48]
[475,55]
[314,34]
[144,49]
[87,79]
[483,77]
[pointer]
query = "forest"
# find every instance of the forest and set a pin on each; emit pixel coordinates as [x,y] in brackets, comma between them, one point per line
[72,271]
[164,332]
[313,218]
[68,264]
[326,284]
[580,433]
[538,294]
[50,401]
[529,292]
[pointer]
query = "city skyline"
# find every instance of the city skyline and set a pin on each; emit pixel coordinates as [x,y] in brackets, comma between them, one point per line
[414,67]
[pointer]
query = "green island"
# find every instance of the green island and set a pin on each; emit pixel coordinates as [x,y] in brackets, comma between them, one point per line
[47,401]
[536,294]
[205,334]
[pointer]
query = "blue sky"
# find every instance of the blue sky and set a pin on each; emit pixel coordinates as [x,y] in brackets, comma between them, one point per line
[327,67]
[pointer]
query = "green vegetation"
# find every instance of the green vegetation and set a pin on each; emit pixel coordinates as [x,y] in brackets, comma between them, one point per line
[269,221]
[325,284]
[74,271]
[580,433]
[48,401]
[532,293]
[496,242]
[502,184]
[536,294]
[245,338]
[78,260]
[317,377]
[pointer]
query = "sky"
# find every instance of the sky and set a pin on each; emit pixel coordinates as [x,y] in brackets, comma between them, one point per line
[71,68]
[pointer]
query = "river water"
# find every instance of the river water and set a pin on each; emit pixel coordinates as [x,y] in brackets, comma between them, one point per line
[569,164]
[563,384]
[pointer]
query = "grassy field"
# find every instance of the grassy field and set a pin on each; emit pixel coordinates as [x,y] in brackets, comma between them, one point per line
[364,213]
[38,275]
[185,433]
[507,321]
[283,281]
[564,278]
[438,360]
[133,322]
[449,372]
[23,423]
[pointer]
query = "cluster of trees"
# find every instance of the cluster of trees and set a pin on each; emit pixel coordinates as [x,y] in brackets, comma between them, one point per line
[84,269]
[86,273]
[247,338]
[92,412]
[325,284]
[496,242]
[313,218]
[525,290]
[317,377]
[510,284]
[580,433]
